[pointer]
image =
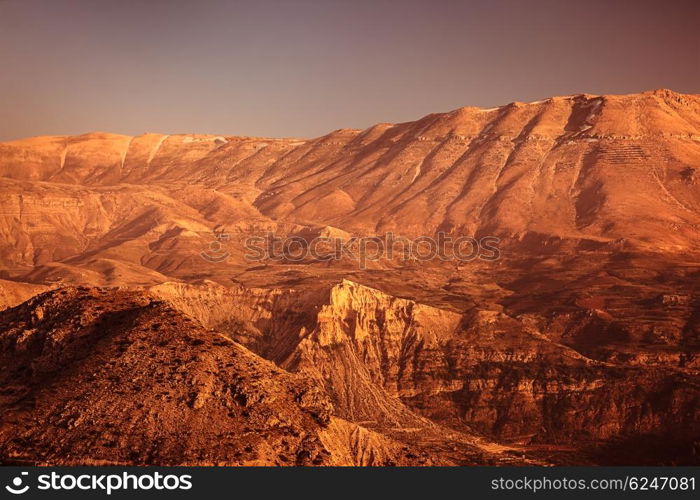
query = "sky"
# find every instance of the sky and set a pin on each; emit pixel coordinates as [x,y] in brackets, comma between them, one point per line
[302,68]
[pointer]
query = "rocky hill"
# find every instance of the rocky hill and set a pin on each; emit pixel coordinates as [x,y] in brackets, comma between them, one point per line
[97,376]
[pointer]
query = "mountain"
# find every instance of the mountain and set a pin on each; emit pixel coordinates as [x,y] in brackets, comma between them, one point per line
[573,171]
[576,340]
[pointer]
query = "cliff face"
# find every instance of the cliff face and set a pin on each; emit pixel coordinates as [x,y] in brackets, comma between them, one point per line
[371,349]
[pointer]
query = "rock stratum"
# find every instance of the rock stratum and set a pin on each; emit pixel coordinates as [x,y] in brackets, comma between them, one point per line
[138,329]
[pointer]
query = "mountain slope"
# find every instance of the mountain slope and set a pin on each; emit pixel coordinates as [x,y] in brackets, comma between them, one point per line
[597,169]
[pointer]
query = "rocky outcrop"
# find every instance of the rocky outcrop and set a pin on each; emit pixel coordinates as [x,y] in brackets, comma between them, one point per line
[370,349]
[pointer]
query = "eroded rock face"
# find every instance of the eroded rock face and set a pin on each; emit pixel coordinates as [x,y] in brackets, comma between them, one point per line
[370,349]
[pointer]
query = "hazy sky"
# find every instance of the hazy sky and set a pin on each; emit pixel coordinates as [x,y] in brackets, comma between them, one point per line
[304,68]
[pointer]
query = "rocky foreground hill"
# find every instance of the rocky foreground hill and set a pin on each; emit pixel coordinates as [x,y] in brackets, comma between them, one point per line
[96,376]
[578,344]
